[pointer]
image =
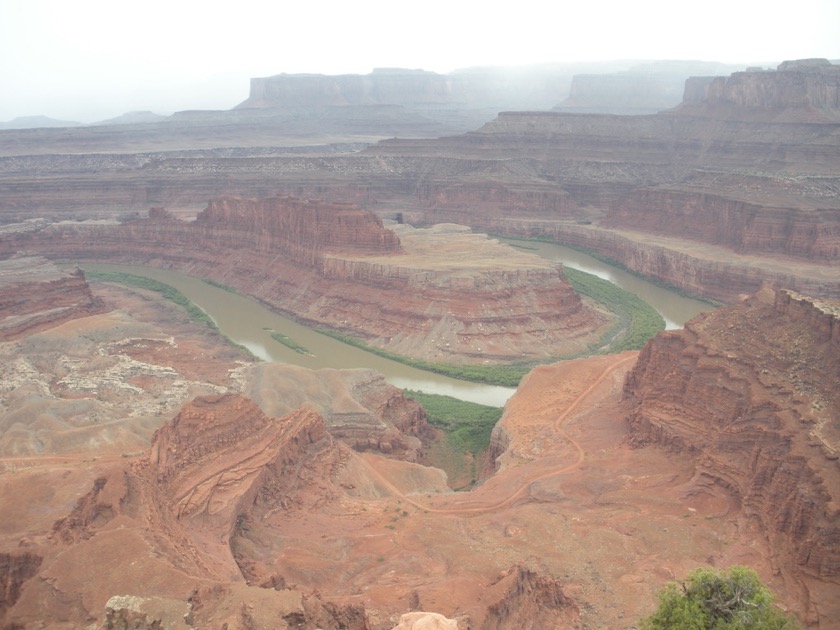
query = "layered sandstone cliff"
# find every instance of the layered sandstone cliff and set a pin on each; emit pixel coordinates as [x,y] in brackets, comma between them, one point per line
[805,84]
[164,523]
[486,88]
[747,163]
[220,454]
[749,392]
[771,224]
[358,406]
[738,177]
[35,294]
[441,294]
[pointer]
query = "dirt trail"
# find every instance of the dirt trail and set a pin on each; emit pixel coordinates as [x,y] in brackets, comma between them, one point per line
[524,483]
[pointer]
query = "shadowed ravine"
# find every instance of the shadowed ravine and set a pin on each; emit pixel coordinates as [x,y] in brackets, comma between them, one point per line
[467,506]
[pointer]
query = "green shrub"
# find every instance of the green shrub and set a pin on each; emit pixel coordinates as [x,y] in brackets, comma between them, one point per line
[219,285]
[709,600]
[290,343]
[467,425]
[637,322]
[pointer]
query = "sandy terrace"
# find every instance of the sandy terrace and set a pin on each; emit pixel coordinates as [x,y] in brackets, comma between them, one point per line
[455,248]
[106,382]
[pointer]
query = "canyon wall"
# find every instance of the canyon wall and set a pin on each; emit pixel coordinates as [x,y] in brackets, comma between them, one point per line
[335,265]
[35,295]
[747,164]
[489,88]
[797,231]
[749,392]
[804,83]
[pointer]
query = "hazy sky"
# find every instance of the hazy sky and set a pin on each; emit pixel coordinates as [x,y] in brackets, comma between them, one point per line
[93,59]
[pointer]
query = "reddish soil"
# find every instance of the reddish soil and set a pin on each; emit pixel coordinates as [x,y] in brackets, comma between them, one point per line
[255,521]
[571,500]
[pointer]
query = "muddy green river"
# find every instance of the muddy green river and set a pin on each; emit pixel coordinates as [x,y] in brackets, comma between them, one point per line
[249,323]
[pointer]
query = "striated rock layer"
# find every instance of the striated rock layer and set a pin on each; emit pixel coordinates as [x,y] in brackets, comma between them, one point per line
[358,406]
[440,294]
[750,169]
[164,522]
[802,84]
[750,393]
[175,542]
[35,295]
[746,163]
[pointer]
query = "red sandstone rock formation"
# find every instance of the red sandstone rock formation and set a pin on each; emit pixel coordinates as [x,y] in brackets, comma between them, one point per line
[164,523]
[771,227]
[528,600]
[750,393]
[15,569]
[450,296]
[358,406]
[35,294]
[300,229]
[747,163]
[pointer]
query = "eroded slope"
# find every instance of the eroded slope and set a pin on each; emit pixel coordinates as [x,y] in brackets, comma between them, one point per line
[750,393]
[442,294]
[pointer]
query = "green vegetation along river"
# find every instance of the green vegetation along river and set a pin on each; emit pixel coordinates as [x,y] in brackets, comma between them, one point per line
[675,309]
[248,323]
[272,337]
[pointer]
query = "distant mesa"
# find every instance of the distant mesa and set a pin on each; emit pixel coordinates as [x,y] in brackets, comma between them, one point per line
[45,122]
[397,86]
[645,88]
[485,88]
[799,84]
[133,118]
[33,122]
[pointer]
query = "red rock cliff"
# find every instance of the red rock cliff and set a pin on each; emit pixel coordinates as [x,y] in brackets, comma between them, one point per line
[299,228]
[750,392]
[35,294]
[804,83]
[451,296]
[772,227]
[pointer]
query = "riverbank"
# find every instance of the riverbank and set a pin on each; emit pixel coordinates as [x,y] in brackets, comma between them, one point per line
[637,322]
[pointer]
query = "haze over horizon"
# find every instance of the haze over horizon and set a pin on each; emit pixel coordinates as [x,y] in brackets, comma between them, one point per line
[89,61]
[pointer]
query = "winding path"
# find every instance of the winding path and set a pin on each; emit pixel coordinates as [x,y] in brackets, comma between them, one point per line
[558,424]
